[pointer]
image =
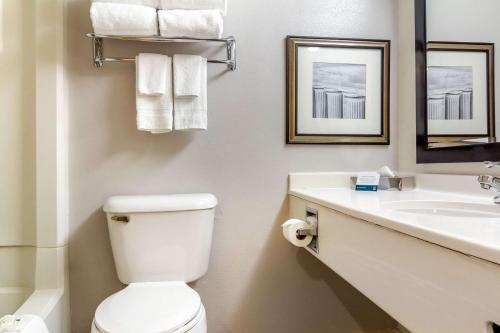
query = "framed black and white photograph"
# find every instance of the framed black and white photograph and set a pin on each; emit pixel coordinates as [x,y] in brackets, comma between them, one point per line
[460,91]
[338,91]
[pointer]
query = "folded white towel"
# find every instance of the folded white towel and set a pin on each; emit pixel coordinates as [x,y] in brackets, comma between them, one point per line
[187,75]
[191,113]
[220,5]
[152,76]
[191,23]
[149,3]
[120,19]
[155,112]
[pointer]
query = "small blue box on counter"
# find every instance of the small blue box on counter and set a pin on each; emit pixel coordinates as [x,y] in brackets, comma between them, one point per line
[368,188]
[368,181]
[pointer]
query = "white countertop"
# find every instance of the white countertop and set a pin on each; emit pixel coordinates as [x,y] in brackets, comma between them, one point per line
[479,237]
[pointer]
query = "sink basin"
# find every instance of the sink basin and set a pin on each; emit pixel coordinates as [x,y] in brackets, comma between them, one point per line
[445,208]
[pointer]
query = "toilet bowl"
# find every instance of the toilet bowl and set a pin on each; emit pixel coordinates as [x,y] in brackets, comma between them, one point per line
[159,243]
[161,307]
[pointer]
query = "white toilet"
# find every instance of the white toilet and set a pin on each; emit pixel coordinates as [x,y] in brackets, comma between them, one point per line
[160,243]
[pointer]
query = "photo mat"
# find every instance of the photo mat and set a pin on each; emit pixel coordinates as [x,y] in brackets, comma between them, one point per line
[460,91]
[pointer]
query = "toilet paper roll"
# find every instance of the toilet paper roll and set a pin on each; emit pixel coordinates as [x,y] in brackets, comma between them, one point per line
[290,228]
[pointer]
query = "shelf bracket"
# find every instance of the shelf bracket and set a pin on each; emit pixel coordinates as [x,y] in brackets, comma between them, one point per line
[231,54]
[98,50]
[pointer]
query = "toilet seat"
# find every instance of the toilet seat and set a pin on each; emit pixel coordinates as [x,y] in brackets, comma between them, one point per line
[156,307]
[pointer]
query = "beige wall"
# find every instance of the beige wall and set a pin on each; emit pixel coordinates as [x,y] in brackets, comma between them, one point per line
[17,151]
[257,282]
[17,123]
[406,104]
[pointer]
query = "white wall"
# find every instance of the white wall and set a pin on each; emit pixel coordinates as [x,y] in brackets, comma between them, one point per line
[17,124]
[406,98]
[257,282]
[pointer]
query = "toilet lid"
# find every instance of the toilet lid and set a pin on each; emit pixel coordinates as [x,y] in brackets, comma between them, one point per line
[161,307]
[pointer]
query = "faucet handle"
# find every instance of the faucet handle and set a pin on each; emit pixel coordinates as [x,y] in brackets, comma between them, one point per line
[490,164]
[485,181]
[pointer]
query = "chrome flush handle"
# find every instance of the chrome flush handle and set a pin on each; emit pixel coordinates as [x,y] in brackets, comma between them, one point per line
[117,218]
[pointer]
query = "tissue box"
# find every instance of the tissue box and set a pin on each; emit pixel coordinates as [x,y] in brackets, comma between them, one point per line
[391,183]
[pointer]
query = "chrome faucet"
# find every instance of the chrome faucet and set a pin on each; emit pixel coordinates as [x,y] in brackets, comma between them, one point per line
[491,183]
[491,165]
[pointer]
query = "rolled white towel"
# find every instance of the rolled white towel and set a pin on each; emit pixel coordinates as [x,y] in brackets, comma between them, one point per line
[148,3]
[191,23]
[220,5]
[122,19]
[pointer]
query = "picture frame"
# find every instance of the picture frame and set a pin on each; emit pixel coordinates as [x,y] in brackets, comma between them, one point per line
[460,91]
[338,91]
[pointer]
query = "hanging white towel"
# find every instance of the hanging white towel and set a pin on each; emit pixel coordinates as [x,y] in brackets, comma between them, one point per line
[220,5]
[154,112]
[152,76]
[187,75]
[149,3]
[123,19]
[190,113]
[191,23]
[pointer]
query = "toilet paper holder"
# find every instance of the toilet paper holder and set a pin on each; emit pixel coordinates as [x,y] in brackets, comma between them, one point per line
[312,224]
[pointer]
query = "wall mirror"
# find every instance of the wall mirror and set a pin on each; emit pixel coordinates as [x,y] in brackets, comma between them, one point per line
[456,91]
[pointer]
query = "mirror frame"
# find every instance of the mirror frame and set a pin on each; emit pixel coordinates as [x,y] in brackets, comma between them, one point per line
[457,154]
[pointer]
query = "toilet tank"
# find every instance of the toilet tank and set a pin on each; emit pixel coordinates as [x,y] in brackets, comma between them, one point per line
[161,237]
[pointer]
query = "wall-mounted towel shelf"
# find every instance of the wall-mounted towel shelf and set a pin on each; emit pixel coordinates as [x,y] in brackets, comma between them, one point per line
[100,59]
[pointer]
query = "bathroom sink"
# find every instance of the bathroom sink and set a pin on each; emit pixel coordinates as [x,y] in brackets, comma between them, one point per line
[444,208]
[407,251]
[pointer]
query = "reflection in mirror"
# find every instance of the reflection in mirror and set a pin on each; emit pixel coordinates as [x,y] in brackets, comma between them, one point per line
[461,37]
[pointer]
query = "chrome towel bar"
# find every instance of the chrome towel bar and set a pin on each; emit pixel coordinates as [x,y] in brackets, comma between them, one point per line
[100,59]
